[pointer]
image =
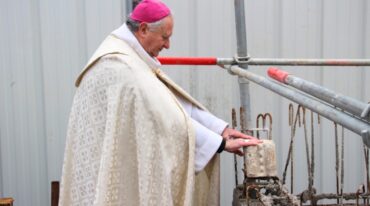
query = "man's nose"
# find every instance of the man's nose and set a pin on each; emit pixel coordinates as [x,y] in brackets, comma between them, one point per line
[167,44]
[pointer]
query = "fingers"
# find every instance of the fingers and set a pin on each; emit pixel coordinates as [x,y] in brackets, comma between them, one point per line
[234,145]
[239,152]
[249,142]
[255,141]
[237,134]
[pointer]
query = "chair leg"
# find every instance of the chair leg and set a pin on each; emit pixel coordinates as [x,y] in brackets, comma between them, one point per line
[54,193]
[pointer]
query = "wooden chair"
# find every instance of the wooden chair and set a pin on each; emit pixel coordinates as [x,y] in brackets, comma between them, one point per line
[54,193]
[54,196]
[7,201]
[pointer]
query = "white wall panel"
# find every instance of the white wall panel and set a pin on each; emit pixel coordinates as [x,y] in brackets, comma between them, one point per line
[45,44]
[22,139]
[43,48]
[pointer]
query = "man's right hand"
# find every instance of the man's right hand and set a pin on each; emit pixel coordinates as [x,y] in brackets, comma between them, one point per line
[235,145]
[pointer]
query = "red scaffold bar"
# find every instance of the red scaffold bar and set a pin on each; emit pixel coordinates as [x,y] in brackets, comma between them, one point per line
[262,61]
[188,60]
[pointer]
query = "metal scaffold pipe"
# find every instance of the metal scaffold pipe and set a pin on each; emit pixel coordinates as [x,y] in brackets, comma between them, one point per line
[346,103]
[241,42]
[188,60]
[309,62]
[354,124]
[245,61]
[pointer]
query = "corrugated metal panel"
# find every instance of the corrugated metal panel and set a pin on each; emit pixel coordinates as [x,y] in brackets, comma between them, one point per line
[22,139]
[44,45]
[288,29]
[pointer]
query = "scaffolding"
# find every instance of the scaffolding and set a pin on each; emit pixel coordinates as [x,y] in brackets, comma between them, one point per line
[348,112]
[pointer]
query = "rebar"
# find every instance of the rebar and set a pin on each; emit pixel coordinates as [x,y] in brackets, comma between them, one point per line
[270,124]
[263,118]
[342,168]
[234,125]
[290,156]
[307,149]
[336,158]
[259,116]
[291,152]
[366,150]
[291,116]
[312,173]
[366,135]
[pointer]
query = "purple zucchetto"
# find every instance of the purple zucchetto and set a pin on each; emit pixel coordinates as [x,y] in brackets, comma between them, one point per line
[150,11]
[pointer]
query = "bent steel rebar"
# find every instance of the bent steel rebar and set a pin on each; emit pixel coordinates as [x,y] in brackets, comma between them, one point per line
[234,125]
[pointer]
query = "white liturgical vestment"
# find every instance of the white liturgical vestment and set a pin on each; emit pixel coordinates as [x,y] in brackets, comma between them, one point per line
[130,140]
[208,128]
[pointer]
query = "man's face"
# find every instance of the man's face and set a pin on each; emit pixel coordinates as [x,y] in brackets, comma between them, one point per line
[154,40]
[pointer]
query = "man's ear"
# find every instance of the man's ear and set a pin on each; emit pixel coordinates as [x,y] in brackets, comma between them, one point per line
[143,29]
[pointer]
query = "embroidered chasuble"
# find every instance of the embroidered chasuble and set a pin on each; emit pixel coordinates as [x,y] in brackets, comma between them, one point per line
[129,141]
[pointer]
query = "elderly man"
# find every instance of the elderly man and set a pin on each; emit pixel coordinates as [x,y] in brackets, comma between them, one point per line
[134,136]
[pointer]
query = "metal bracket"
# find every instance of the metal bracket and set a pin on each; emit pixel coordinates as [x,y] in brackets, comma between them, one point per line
[241,60]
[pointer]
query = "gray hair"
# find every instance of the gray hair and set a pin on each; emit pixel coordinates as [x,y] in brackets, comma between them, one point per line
[134,25]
